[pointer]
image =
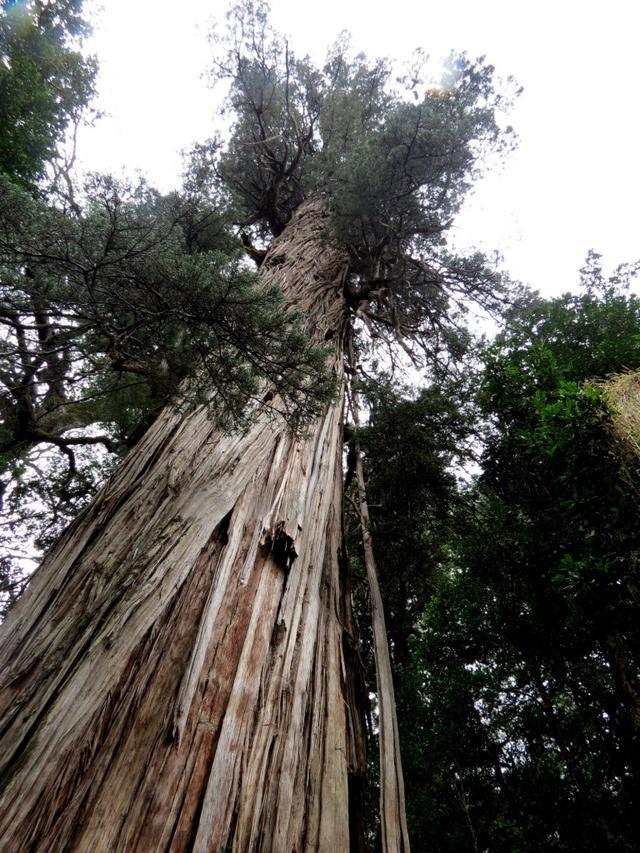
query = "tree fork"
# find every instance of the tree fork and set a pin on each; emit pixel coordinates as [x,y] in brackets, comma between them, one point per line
[177,675]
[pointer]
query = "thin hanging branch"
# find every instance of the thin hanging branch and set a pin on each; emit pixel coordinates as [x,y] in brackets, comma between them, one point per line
[393,819]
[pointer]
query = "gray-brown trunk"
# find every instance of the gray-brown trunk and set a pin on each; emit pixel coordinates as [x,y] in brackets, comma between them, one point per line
[178,674]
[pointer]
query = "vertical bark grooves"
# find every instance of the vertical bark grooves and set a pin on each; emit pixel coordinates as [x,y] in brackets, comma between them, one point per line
[174,678]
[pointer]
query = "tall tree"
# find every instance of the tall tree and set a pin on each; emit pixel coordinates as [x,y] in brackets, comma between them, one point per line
[181,672]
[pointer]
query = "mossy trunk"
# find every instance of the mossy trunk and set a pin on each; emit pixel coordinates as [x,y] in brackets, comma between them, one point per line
[179,675]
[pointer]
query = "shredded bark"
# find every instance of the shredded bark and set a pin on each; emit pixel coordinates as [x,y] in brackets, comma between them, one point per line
[174,677]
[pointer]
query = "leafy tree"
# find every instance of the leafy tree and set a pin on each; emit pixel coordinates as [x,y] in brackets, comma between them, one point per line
[521,684]
[565,530]
[45,82]
[411,443]
[391,160]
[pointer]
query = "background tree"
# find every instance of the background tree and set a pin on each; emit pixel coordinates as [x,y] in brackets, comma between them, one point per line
[46,83]
[45,87]
[518,696]
[410,444]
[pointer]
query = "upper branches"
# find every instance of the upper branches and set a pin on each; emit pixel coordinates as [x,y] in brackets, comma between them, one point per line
[392,157]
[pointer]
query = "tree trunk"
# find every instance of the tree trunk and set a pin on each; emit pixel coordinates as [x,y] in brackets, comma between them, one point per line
[178,675]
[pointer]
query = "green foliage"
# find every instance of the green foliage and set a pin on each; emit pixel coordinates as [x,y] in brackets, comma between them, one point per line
[393,156]
[517,680]
[45,82]
[125,290]
[573,338]
[410,445]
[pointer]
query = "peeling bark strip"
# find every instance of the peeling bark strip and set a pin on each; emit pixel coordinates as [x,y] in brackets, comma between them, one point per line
[174,677]
[393,818]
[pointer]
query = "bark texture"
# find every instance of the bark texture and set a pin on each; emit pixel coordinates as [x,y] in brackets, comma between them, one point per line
[178,674]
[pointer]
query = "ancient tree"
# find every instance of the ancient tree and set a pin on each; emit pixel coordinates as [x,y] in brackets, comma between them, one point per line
[181,672]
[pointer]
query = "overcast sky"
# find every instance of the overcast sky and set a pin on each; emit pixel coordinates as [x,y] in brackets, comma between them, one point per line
[573,183]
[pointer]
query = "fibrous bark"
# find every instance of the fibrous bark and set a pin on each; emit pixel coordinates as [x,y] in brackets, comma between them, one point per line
[178,675]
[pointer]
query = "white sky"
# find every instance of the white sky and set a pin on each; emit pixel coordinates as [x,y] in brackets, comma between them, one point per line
[573,184]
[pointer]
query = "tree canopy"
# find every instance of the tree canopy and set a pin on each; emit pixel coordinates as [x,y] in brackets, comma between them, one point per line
[392,156]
